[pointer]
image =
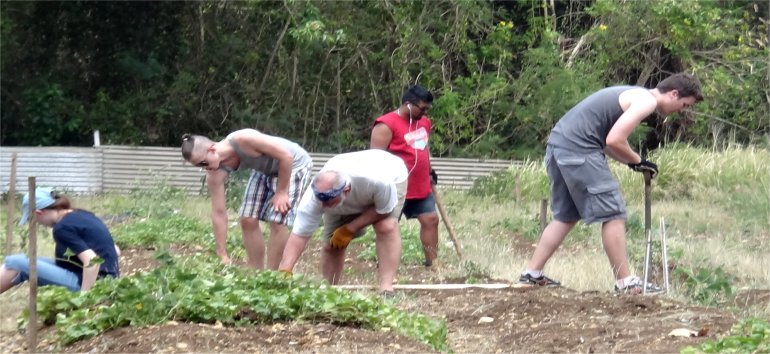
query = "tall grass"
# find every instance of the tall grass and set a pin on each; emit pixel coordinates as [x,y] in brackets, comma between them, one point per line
[716,206]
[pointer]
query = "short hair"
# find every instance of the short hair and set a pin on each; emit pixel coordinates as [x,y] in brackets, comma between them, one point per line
[687,84]
[415,94]
[192,142]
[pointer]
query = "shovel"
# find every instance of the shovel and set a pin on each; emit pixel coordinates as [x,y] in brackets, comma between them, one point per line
[647,228]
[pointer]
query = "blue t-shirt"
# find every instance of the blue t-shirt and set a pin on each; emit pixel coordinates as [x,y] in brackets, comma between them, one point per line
[80,231]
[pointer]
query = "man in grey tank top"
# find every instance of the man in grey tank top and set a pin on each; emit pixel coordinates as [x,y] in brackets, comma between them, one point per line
[280,170]
[582,186]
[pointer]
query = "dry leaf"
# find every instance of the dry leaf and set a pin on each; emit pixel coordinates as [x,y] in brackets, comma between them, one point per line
[683,332]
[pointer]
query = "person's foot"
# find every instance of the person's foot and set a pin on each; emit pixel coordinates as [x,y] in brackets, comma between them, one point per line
[635,287]
[539,281]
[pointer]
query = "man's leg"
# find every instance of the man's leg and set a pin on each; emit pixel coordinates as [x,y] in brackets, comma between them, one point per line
[279,233]
[614,241]
[388,242]
[552,237]
[252,241]
[332,263]
[429,236]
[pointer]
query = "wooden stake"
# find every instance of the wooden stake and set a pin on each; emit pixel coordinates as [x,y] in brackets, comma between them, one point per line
[447,223]
[11,207]
[543,214]
[32,255]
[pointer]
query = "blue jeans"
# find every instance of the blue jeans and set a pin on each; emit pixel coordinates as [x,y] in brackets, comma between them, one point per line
[48,273]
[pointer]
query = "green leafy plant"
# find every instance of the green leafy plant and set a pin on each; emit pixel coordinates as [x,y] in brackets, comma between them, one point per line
[748,336]
[706,285]
[206,292]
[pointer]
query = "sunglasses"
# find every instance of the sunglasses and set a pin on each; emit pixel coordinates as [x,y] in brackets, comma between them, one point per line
[421,108]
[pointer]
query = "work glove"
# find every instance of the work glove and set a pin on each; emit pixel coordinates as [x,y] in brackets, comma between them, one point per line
[433,177]
[341,237]
[645,166]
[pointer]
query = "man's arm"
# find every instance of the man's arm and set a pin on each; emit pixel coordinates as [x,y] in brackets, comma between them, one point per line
[90,271]
[368,217]
[642,105]
[255,144]
[381,137]
[295,245]
[216,183]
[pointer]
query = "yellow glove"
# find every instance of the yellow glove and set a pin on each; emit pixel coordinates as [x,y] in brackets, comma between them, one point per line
[285,273]
[341,237]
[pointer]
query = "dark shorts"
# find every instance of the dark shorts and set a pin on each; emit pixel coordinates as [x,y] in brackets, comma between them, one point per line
[416,207]
[582,187]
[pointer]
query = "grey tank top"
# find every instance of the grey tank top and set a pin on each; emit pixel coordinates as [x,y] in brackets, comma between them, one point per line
[267,164]
[585,127]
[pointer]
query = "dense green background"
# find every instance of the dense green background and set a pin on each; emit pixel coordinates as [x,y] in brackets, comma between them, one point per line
[318,72]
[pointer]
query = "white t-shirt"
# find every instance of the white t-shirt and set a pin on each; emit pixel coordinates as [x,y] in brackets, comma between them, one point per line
[373,177]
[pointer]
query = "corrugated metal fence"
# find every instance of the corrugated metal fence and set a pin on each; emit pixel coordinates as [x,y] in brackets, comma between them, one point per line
[125,168]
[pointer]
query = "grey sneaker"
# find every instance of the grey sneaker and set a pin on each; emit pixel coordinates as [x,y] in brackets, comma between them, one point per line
[540,281]
[635,287]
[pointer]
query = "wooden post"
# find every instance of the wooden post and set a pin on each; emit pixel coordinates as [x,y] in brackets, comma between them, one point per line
[517,188]
[32,255]
[543,214]
[11,207]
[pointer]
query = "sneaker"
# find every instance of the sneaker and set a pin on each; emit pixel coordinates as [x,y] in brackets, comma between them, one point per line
[540,281]
[634,287]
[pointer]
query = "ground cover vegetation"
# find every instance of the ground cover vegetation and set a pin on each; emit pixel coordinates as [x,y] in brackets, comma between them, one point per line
[318,72]
[716,218]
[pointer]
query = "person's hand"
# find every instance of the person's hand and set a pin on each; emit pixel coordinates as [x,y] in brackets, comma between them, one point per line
[280,202]
[285,273]
[645,166]
[341,237]
[433,176]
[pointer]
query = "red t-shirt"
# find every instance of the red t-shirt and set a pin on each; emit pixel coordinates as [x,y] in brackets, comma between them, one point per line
[410,143]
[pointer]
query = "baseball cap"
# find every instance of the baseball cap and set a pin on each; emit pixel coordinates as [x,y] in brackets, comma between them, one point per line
[44,197]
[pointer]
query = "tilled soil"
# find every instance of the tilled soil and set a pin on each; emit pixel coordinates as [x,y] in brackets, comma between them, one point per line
[523,320]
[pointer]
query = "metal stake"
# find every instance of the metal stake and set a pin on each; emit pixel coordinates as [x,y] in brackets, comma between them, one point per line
[664,247]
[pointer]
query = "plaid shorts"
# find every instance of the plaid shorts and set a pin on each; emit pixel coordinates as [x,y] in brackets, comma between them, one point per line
[260,190]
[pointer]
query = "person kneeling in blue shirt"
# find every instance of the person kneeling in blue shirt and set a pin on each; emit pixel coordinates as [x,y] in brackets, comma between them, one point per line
[76,230]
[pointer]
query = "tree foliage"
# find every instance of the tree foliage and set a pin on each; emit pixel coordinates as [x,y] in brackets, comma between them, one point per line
[319,72]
